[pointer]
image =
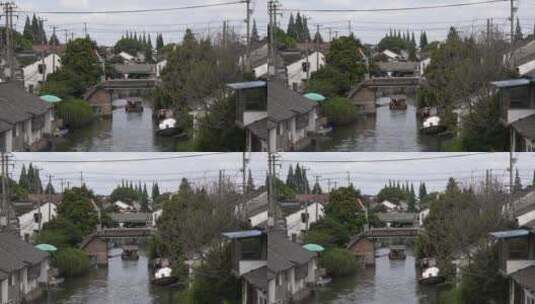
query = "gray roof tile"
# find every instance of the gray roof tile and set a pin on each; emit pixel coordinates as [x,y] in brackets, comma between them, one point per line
[284,103]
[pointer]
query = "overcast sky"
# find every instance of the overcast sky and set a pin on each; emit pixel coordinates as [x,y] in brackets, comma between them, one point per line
[370,177]
[369,26]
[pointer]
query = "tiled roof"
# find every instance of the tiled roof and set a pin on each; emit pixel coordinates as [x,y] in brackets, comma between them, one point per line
[284,254]
[398,66]
[284,103]
[526,127]
[259,128]
[18,105]
[258,278]
[526,278]
[4,126]
[16,254]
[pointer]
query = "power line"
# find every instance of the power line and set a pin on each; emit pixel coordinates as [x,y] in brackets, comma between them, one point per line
[386,160]
[136,11]
[391,9]
[118,160]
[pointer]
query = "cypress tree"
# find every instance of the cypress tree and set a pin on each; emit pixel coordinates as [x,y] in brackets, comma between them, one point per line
[318,37]
[306,31]
[23,179]
[155,191]
[291,31]
[533,183]
[35,29]
[518,182]
[250,183]
[27,33]
[50,189]
[518,31]
[299,28]
[290,177]
[42,33]
[255,38]
[317,189]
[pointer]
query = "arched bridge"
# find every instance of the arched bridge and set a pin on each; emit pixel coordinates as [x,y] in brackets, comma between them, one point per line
[100,96]
[96,244]
[364,95]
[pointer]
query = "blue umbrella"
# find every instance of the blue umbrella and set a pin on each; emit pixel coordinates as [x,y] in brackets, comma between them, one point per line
[315,97]
[314,247]
[46,247]
[50,98]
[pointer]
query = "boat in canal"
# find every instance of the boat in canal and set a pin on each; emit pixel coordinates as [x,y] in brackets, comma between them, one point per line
[162,273]
[168,127]
[433,126]
[134,106]
[130,253]
[397,253]
[431,276]
[398,104]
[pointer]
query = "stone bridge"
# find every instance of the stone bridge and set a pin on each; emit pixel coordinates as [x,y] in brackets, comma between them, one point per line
[96,244]
[101,96]
[364,245]
[365,94]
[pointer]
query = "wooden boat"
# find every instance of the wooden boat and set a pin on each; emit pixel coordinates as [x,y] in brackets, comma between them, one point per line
[134,106]
[397,253]
[130,253]
[324,131]
[323,281]
[398,104]
[433,126]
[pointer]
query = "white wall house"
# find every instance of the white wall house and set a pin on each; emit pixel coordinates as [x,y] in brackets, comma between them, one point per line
[30,223]
[297,71]
[299,222]
[160,66]
[392,56]
[37,72]
[423,66]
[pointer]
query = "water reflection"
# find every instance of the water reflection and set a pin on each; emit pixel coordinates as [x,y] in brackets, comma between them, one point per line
[387,131]
[124,132]
[120,282]
[389,282]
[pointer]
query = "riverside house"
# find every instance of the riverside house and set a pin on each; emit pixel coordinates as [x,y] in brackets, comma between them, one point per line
[292,270]
[516,252]
[23,268]
[25,119]
[517,103]
[249,264]
[274,117]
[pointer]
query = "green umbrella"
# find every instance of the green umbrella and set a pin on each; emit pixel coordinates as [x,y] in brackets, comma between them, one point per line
[46,247]
[315,97]
[50,98]
[314,247]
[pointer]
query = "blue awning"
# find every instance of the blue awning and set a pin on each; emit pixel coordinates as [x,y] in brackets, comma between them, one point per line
[511,83]
[511,234]
[242,234]
[247,85]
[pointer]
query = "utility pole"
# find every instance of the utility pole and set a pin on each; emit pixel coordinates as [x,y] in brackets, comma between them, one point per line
[9,44]
[317,47]
[350,28]
[49,197]
[56,40]
[271,207]
[512,17]
[66,36]
[43,64]
[248,22]
[3,208]
[348,179]
[244,172]
[81,179]
[85,29]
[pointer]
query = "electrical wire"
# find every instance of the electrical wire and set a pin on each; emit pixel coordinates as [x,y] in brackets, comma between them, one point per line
[385,160]
[136,11]
[118,160]
[391,9]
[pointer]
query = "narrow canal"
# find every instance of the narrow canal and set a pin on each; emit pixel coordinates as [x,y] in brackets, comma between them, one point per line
[120,282]
[124,132]
[390,282]
[386,131]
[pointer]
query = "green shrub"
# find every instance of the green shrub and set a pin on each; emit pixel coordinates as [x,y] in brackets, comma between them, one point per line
[340,111]
[72,262]
[75,113]
[339,262]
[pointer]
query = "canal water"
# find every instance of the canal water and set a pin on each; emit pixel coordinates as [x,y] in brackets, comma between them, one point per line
[120,282]
[389,282]
[123,132]
[386,131]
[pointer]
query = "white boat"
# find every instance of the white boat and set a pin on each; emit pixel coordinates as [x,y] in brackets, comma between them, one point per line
[431,276]
[167,127]
[432,126]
